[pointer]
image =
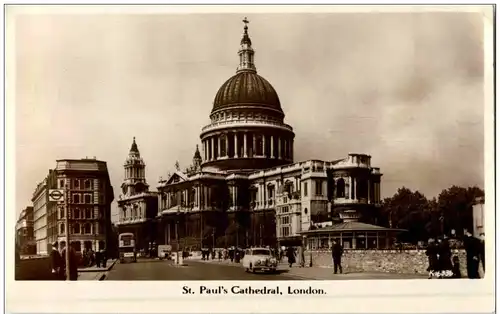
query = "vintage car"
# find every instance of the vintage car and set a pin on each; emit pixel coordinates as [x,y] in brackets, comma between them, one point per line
[259,259]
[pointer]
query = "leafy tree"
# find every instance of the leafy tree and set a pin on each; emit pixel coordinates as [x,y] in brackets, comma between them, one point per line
[455,206]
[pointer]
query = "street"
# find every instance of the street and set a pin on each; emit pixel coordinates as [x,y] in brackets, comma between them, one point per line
[194,270]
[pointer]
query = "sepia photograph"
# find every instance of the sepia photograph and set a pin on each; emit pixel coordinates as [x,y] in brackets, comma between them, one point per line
[251,145]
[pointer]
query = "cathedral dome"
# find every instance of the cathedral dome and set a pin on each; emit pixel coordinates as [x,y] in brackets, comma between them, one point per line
[247,88]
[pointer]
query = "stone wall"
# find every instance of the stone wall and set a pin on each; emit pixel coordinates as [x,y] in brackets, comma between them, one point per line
[407,262]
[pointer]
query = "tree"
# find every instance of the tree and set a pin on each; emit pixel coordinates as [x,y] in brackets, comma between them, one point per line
[407,210]
[455,206]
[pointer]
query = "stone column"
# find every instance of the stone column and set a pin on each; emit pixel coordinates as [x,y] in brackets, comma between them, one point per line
[236,148]
[368,184]
[227,144]
[264,145]
[254,145]
[206,150]
[279,147]
[245,152]
[355,188]
[272,146]
[212,149]
[234,195]
[291,150]
[219,149]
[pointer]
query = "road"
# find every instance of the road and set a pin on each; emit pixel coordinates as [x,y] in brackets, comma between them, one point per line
[166,270]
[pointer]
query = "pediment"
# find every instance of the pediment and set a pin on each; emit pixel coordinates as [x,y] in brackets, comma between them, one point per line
[177,177]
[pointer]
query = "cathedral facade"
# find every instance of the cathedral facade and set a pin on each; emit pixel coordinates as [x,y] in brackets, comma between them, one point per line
[244,187]
[137,206]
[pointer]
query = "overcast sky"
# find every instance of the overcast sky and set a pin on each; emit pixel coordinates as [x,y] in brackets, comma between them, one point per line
[404,88]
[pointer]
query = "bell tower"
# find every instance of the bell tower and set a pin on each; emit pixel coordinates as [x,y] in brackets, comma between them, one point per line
[135,173]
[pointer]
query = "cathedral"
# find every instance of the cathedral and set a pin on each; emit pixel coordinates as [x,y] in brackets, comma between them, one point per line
[244,187]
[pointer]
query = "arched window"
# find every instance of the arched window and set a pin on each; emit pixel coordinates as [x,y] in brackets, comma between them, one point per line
[61,228]
[88,185]
[87,229]
[76,228]
[76,213]
[340,188]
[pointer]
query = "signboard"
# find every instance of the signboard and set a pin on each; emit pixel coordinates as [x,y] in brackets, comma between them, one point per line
[56,195]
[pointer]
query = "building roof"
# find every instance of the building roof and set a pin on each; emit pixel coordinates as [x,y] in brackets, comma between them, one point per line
[247,88]
[350,227]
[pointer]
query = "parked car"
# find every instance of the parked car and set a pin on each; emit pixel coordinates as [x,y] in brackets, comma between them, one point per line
[259,259]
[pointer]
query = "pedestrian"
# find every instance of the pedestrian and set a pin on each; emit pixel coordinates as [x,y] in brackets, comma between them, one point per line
[481,251]
[444,258]
[73,263]
[290,254]
[98,258]
[104,258]
[220,255]
[472,252]
[56,263]
[456,268]
[337,251]
[432,256]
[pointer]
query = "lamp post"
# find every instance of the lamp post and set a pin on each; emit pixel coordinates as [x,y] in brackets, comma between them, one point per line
[66,228]
[177,237]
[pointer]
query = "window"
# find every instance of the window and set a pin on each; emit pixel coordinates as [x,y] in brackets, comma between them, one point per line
[285,231]
[87,229]
[76,184]
[319,187]
[88,199]
[88,185]
[340,188]
[76,198]
[88,213]
[61,229]
[305,188]
[285,220]
[284,209]
[61,213]
[305,211]
[124,213]
[76,228]
[76,213]
[61,184]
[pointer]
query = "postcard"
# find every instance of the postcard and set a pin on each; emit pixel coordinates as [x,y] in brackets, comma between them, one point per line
[249,159]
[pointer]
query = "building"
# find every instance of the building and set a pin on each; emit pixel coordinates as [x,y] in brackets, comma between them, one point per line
[478,217]
[42,210]
[137,205]
[25,236]
[245,189]
[89,195]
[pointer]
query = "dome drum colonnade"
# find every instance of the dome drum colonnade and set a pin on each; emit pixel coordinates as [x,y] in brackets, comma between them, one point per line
[247,129]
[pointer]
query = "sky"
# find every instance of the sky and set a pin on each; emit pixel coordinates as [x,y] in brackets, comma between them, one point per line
[406,88]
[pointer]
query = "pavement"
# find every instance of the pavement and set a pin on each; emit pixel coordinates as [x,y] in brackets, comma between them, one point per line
[225,270]
[95,273]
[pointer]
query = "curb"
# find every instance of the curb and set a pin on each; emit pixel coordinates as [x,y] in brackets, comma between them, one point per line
[108,268]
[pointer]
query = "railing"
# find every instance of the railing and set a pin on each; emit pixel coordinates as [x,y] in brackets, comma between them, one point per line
[221,124]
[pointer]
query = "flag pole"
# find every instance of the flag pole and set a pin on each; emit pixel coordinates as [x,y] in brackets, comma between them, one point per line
[66,229]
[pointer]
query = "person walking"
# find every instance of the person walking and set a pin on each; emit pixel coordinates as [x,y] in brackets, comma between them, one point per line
[56,263]
[444,258]
[337,251]
[290,254]
[432,256]
[472,251]
[481,251]
[73,264]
